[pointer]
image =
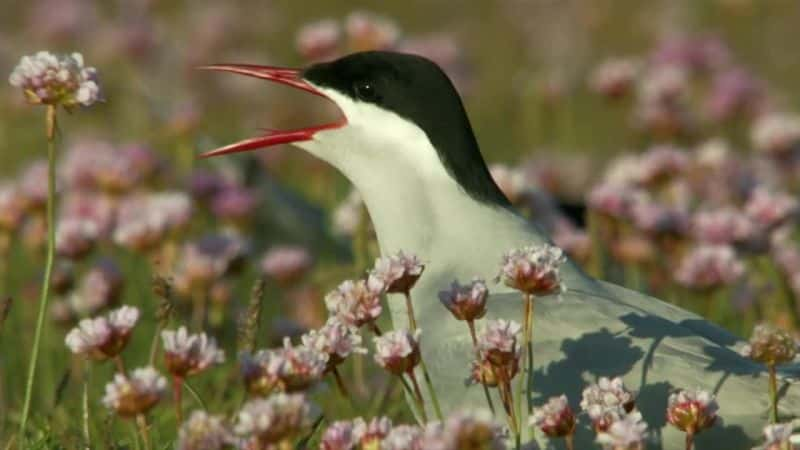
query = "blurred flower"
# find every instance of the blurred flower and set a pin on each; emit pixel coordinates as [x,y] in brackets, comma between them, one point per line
[724,226]
[187,354]
[655,218]
[369,434]
[606,402]
[443,49]
[61,20]
[103,337]
[338,436]
[234,204]
[335,339]
[271,420]
[464,429]
[664,85]
[91,207]
[696,53]
[367,31]
[403,437]
[771,346]
[205,260]
[203,432]
[625,434]
[63,277]
[635,248]
[660,164]
[612,200]
[778,436]
[204,184]
[140,232]
[770,210]
[33,185]
[398,351]
[56,80]
[348,215]
[692,411]
[354,302]
[136,394]
[708,267]
[734,93]
[466,302]
[319,41]
[498,342]
[12,207]
[100,287]
[288,369]
[395,273]
[575,242]
[75,237]
[533,269]
[510,180]
[614,78]
[555,418]
[776,134]
[286,264]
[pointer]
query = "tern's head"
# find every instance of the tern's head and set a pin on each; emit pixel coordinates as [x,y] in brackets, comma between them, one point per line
[398,111]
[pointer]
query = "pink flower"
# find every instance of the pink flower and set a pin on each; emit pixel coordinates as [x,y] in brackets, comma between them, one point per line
[403,437]
[723,227]
[203,432]
[499,341]
[660,164]
[234,203]
[555,418]
[335,339]
[612,200]
[99,288]
[135,394]
[398,351]
[533,269]
[289,369]
[466,302]
[103,337]
[476,427]
[627,433]
[354,302]
[270,420]
[33,185]
[367,31]
[734,93]
[776,134]
[75,237]
[770,210]
[12,207]
[606,402]
[771,346]
[778,436]
[187,354]
[396,273]
[369,434]
[614,78]
[692,411]
[655,218]
[338,436]
[56,80]
[286,264]
[708,267]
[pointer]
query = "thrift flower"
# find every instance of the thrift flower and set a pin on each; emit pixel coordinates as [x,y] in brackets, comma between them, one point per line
[398,351]
[103,337]
[335,339]
[75,237]
[338,436]
[555,418]
[770,210]
[56,80]
[778,436]
[625,434]
[396,273]
[135,394]
[614,78]
[465,429]
[499,341]
[776,134]
[319,41]
[286,264]
[708,267]
[99,288]
[533,269]
[606,402]
[187,354]
[692,411]
[203,432]
[466,302]
[271,420]
[771,346]
[369,434]
[354,302]
[403,437]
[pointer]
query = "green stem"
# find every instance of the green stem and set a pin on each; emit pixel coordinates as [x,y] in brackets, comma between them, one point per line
[471,325]
[45,294]
[523,385]
[87,438]
[773,393]
[141,422]
[418,395]
[177,393]
[195,395]
[428,383]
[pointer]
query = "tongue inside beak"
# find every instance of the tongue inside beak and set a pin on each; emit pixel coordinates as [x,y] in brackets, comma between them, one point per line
[290,77]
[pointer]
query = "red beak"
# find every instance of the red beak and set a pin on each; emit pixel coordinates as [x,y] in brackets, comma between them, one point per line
[290,77]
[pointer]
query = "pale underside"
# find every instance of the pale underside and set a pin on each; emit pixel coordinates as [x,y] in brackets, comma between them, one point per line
[595,329]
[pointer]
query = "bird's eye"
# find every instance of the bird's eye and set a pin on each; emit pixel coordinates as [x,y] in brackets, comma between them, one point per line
[365,90]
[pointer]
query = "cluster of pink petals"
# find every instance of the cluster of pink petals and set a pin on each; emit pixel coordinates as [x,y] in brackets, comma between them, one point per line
[614,78]
[606,402]
[628,433]
[398,351]
[286,264]
[770,210]
[725,226]
[103,337]
[290,368]
[778,436]
[187,354]
[136,394]
[771,346]
[335,339]
[555,418]
[395,273]
[500,340]
[100,287]
[776,134]
[466,302]
[354,302]
[533,269]
[56,80]
[203,431]
[692,411]
[264,421]
[709,266]
[660,164]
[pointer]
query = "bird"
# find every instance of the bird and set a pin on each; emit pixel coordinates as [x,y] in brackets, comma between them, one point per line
[404,140]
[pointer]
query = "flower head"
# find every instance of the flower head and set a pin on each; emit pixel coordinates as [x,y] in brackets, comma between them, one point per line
[770,210]
[135,394]
[288,369]
[12,207]
[286,264]
[75,237]
[607,401]
[103,337]
[369,434]
[692,411]
[464,430]
[403,437]
[499,341]
[778,436]
[555,418]
[203,432]
[319,40]
[611,199]
[771,346]
[354,302]
[723,227]
[614,78]
[708,267]
[100,287]
[187,354]
[273,419]
[660,164]
[396,273]
[398,351]
[367,31]
[335,339]
[338,436]
[627,433]
[56,80]
[776,134]
[466,302]
[533,269]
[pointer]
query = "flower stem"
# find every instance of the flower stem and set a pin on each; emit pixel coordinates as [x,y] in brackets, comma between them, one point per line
[471,325]
[120,364]
[141,421]
[689,441]
[523,385]
[418,394]
[45,292]
[428,383]
[412,321]
[375,329]
[569,440]
[773,393]
[340,383]
[87,438]
[177,391]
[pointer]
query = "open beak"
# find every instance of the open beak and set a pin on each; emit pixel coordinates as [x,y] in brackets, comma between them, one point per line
[290,77]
